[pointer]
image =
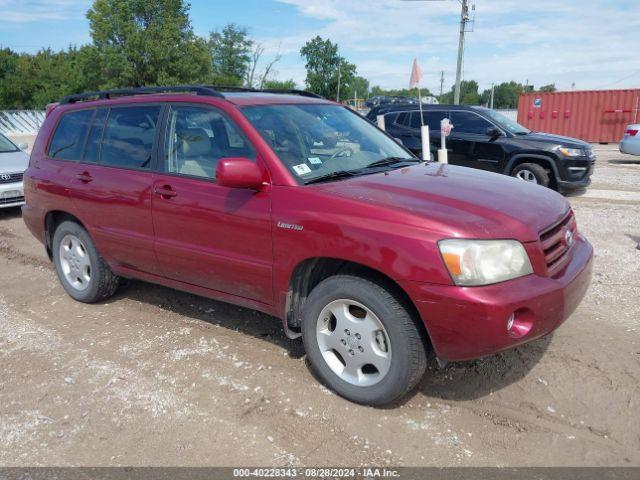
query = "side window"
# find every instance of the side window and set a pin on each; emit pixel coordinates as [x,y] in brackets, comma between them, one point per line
[128,136]
[403,119]
[197,138]
[92,148]
[68,139]
[467,122]
[389,118]
[415,120]
[433,119]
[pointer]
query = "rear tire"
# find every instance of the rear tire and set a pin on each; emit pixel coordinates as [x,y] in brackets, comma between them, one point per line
[370,351]
[531,172]
[83,273]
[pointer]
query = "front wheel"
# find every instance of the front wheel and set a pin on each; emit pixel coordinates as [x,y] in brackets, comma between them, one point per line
[82,271]
[362,341]
[531,172]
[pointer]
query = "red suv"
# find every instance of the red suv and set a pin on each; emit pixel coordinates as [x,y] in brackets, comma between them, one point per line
[298,207]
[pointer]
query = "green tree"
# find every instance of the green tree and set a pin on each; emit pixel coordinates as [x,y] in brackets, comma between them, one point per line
[548,88]
[326,68]
[280,84]
[231,54]
[469,94]
[147,42]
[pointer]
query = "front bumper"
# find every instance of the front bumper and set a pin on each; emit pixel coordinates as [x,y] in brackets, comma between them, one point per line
[577,173]
[11,194]
[465,323]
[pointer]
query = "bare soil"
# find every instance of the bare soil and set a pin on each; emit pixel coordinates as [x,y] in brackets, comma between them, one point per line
[158,377]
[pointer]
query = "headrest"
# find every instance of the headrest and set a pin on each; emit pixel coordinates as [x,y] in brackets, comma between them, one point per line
[195,142]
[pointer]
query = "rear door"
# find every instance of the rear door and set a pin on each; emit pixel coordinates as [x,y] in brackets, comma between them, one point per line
[111,186]
[470,146]
[207,234]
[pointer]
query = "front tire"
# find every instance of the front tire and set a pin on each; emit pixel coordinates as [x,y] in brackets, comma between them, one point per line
[531,172]
[361,340]
[83,273]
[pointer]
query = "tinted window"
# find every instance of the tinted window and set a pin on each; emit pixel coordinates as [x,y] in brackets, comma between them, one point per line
[128,136]
[415,120]
[92,148]
[403,119]
[197,138]
[68,139]
[389,118]
[467,122]
[433,119]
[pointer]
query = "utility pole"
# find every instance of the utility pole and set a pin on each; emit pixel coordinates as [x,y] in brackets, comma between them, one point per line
[464,18]
[441,86]
[493,91]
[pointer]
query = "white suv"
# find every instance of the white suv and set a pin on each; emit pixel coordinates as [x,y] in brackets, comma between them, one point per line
[13,162]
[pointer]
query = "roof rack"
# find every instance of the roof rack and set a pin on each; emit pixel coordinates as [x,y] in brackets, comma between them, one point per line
[206,90]
[291,91]
[122,92]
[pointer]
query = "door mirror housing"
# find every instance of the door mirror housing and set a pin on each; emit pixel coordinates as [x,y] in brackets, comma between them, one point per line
[494,132]
[237,172]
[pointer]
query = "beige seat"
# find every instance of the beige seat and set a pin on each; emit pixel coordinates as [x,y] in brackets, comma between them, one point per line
[195,153]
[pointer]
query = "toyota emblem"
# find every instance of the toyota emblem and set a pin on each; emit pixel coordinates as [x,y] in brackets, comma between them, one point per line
[4,176]
[568,237]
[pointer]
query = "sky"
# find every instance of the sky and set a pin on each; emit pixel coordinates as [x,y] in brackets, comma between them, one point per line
[581,44]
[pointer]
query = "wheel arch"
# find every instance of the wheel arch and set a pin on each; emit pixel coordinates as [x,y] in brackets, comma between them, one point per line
[310,272]
[52,219]
[544,161]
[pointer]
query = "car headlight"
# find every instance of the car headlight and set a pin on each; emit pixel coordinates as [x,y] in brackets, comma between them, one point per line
[570,152]
[483,262]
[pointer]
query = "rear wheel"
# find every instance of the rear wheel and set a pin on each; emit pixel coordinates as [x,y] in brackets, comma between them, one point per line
[531,172]
[82,272]
[362,341]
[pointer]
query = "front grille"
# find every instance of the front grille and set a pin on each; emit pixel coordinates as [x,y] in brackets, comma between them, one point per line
[556,243]
[7,201]
[10,177]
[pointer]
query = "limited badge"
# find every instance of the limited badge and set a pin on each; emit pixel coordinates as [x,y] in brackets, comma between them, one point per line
[301,169]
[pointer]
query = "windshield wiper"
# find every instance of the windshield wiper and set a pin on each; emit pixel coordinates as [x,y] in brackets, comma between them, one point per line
[392,161]
[332,176]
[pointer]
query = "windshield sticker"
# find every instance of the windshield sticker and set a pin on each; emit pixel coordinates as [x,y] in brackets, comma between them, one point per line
[302,169]
[315,160]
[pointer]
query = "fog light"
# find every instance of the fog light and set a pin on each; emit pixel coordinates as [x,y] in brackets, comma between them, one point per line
[510,321]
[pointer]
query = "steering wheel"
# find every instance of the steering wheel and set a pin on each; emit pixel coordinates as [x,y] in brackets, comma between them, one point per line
[345,152]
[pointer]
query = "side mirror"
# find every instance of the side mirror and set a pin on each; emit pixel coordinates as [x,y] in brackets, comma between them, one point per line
[23,146]
[494,132]
[236,172]
[398,141]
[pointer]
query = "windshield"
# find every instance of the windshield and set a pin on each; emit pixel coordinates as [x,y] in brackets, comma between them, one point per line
[506,123]
[6,145]
[315,141]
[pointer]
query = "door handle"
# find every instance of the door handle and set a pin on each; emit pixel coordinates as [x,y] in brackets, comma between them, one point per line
[84,177]
[165,191]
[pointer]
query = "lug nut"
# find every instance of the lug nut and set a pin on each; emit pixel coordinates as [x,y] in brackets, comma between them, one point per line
[347,331]
[351,352]
[343,341]
[358,336]
[361,349]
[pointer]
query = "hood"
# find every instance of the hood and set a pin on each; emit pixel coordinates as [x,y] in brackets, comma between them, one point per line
[537,138]
[13,162]
[458,202]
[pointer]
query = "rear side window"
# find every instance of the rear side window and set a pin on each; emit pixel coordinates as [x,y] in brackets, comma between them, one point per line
[127,141]
[68,140]
[433,119]
[403,119]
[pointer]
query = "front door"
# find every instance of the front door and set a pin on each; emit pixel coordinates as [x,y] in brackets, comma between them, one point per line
[206,234]
[470,146]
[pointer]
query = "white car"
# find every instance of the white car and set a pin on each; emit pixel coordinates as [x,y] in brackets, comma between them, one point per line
[630,143]
[13,162]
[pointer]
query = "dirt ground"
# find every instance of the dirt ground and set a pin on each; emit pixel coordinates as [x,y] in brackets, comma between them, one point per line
[159,377]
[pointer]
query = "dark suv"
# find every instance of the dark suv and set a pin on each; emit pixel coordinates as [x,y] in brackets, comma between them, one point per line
[300,208]
[485,139]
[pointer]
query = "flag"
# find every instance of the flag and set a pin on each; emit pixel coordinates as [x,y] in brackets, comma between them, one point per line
[416,74]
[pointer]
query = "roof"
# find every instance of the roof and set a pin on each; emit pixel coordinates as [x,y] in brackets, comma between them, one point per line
[235,95]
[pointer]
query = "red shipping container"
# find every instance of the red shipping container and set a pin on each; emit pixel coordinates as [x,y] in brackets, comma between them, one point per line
[597,116]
